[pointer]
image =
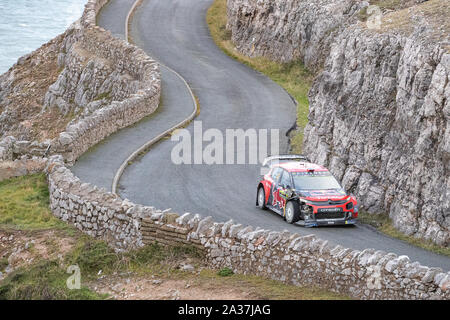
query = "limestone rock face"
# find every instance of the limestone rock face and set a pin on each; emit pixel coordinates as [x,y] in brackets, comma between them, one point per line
[379,106]
[88,75]
[286,30]
[379,118]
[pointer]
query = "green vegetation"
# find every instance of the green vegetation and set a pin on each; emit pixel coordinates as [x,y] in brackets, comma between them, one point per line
[363,15]
[24,204]
[225,272]
[384,224]
[45,280]
[3,263]
[293,76]
[95,255]
[104,95]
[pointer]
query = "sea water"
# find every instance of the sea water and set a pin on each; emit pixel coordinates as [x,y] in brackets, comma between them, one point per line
[25,25]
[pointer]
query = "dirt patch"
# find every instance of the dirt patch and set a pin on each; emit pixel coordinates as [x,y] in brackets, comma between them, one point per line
[429,18]
[129,287]
[22,248]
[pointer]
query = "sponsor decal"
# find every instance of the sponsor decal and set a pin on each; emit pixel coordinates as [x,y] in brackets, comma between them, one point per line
[329,210]
[323,194]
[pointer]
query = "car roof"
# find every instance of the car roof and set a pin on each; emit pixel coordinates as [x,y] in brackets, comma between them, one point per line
[284,158]
[300,166]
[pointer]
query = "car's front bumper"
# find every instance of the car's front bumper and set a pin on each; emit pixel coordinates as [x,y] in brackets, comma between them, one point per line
[326,222]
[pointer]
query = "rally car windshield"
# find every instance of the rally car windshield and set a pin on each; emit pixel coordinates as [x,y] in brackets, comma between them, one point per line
[306,181]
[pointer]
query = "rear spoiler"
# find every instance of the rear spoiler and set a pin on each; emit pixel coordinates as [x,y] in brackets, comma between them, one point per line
[286,157]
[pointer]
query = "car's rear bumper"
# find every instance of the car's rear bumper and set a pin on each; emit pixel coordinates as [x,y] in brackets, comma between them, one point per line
[327,222]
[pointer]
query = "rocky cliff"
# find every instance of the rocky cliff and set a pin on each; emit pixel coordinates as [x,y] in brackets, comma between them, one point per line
[286,30]
[379,110]
[22,89]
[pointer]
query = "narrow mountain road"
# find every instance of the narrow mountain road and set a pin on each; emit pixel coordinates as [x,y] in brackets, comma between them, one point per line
[100,164]
[232,96]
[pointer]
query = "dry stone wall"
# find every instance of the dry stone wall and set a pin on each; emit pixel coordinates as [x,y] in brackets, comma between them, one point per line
[94,211]
[379,107]
[284,256]
[18,168]
[306,260]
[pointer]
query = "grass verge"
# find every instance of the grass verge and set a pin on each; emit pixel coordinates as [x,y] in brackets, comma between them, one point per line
[45,280]
[24,204]
[384,224]
[293,76]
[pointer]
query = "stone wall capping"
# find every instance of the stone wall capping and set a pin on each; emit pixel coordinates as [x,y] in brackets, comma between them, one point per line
[336,250]
[324,248]
[241,234]
[204,225]
[234,229]
[216,227]
[193,222]
[294,242]
[252,235]
[226,227]
[182,220]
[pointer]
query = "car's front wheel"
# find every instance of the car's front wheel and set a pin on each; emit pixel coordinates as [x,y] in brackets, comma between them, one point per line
[292,213]
[261,199]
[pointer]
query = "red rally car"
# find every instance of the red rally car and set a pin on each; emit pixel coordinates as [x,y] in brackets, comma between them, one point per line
[304,192]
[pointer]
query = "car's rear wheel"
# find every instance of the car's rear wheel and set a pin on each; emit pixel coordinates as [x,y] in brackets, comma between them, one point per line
[261,199]
[292,213]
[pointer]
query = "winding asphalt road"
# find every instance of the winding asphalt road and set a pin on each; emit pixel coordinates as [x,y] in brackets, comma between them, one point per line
[100,164]
[231,95]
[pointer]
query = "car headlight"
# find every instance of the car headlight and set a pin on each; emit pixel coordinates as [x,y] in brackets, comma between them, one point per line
[307,211]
